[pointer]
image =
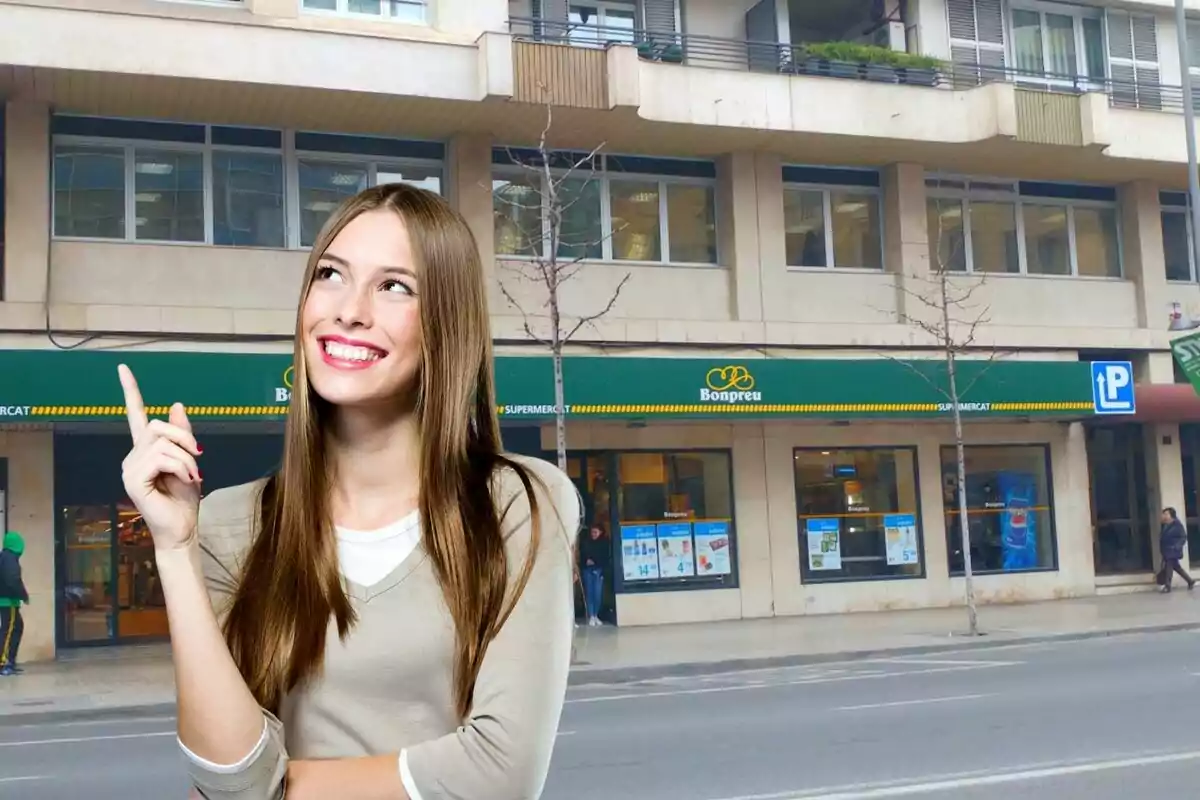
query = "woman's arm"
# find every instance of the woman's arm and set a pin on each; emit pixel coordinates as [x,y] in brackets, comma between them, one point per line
[502,750]
[219,720]
[220,723]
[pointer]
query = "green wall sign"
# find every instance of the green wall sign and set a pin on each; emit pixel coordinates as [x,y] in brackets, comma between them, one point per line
[52,385]
[1186,350]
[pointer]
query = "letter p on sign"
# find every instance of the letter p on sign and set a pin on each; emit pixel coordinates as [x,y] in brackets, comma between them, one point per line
[1112,387]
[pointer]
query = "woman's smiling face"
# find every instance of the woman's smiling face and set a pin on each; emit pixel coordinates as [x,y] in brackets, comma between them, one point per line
[361,319]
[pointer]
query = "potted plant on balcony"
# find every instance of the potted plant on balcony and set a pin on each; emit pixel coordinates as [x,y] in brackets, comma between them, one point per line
[868,62]
[667,50]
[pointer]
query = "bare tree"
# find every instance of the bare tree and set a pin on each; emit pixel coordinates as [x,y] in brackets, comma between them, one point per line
[554,243]
[942,306]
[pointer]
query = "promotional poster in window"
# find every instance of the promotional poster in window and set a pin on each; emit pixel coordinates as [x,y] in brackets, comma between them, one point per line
[1018,532]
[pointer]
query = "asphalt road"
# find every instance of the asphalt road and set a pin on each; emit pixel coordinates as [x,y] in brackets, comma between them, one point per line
[1100,720]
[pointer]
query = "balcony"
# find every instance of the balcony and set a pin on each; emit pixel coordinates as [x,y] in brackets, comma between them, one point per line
[703,79]
[835,88]
[221,62]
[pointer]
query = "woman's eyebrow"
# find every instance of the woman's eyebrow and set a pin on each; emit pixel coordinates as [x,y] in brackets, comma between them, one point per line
[399,271]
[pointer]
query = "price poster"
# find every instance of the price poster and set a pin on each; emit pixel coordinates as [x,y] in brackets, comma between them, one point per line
[900,537]
[639,552]
[713,548]
[676,558]
[824,544]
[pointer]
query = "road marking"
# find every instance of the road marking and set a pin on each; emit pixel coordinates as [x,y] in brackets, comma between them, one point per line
[923,702]
[938,662]
[82,739]
[797,682]
[81,723]
[959,783]
[25,778]
[567,733]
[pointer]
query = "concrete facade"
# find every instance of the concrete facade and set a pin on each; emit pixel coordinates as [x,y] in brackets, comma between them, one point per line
[453,81]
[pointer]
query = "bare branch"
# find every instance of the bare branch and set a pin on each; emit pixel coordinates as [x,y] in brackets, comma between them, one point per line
[588,320]
[512,301]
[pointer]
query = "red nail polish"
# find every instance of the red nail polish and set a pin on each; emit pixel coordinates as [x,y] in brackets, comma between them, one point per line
[199,448]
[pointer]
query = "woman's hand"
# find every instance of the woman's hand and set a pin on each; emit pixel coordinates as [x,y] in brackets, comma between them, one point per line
[160,472]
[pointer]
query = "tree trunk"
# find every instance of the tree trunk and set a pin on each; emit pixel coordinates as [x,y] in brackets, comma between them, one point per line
[560,410]
[964,520]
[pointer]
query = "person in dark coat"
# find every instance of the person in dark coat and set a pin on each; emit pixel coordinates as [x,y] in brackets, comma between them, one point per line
[1172,542]
[12,595]
[594,551]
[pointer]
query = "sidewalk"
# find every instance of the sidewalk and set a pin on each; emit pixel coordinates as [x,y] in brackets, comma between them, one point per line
[139,679]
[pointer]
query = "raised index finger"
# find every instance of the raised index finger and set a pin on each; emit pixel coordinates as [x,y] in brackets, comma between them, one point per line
[135,409]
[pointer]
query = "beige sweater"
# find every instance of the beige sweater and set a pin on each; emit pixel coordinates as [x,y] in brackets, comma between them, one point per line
[389,686]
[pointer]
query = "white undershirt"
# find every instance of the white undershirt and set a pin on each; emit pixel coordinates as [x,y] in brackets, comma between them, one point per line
[364,558]
[367,557]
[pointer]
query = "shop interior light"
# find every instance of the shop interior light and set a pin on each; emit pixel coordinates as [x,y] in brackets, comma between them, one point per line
[154,168]
[346,179]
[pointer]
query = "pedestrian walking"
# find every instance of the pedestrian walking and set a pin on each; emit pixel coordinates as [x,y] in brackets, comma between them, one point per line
[594,550]
[388,615]
[12,595]
[1172,542]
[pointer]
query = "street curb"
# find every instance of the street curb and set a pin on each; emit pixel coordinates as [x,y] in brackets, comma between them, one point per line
[582,675]
[108,714]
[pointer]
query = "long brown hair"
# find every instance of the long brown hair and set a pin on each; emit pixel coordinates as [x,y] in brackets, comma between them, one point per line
[290,587]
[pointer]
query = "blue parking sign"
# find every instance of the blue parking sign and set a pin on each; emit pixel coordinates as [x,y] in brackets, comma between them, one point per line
[1112,387]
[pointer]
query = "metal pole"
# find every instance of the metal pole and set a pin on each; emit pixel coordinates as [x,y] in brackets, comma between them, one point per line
[1189,120]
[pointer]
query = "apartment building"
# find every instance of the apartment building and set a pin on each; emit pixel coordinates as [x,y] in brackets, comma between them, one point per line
[760,423]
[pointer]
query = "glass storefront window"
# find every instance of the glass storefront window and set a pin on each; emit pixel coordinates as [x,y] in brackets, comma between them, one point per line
[1009,506]
[108,587]
[858,514]
[674,520]
[87,592]
[141,607]
[1189,445]
[1120,517]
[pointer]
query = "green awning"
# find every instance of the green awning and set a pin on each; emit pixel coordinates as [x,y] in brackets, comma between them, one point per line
[53,386]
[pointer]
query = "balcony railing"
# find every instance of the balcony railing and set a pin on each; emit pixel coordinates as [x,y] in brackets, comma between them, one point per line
[795,59]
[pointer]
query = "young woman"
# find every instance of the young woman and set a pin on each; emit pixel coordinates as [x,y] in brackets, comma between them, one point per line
[389,616]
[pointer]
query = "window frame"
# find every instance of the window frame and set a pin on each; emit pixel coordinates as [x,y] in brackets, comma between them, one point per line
[601,25]
[1186,213]
[291,171]
[826,190]
[1077,13]
[691,583]
[947,511]
[289,157]
[806,573]
[343,11]
[605,178]
[968,192]
[128,148]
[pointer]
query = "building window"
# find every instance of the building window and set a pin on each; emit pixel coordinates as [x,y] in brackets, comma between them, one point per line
[248,199]
[1177,236]
[602,23]
[859,514]
[400,10]
[832,218]
[1028,227]
[1058,42]
[89,192]
[674,520]
[1010,509]
[645,210]
[225,186]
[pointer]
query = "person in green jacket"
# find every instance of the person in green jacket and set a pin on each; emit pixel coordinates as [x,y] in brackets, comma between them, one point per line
[12,595]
